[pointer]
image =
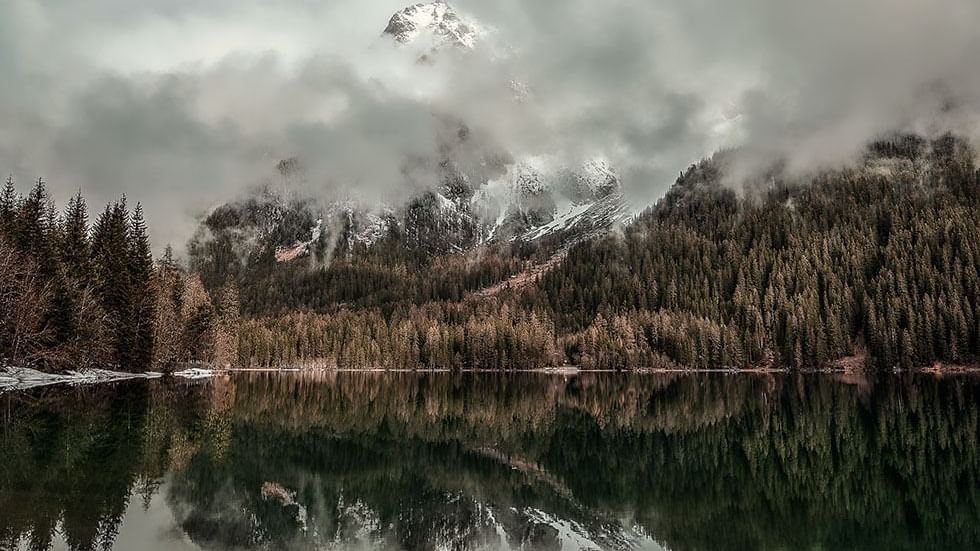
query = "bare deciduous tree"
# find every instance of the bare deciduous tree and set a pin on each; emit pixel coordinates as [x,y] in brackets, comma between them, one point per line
[24,299]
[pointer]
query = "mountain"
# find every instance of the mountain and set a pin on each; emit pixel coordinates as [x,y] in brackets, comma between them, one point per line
[480,194]
[873,265]
[506,262]
[545,201]
[437,23]
[530,202]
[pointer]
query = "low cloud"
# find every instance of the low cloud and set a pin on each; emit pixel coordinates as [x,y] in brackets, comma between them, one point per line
[195,102]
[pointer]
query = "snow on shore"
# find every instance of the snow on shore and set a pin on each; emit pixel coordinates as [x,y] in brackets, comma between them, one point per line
[195,373]
[23,378]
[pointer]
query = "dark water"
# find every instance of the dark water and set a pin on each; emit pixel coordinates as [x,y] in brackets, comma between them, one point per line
[441,461]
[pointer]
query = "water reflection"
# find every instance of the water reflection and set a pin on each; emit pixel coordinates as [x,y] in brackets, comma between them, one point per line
[405,461]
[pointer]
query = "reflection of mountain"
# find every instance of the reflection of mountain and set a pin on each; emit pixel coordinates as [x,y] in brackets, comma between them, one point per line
[373,490]
[528,461]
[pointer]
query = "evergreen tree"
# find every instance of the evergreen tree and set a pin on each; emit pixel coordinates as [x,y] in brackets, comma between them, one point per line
[141,319]
[111,257]
[74,246]
[226,327]
[169,290]
[8,206]
[31,232]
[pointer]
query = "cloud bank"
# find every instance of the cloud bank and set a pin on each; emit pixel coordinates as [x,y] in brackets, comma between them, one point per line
[184,104]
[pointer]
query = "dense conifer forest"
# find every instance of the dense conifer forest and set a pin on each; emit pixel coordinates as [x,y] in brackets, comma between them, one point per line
[879,260]
[872,264]
[74,296]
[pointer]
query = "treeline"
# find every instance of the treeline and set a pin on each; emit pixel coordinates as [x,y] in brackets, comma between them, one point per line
[74,296]
[434,336]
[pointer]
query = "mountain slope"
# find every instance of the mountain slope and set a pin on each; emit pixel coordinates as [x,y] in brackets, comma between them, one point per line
[877,259]
[872,265]
[479,196]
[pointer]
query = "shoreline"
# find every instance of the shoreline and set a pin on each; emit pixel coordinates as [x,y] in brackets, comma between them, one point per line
[572,370]
[25,378]
[19,379]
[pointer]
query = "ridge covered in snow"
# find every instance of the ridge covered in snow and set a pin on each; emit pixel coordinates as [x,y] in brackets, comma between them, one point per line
[436,22]
[538,196]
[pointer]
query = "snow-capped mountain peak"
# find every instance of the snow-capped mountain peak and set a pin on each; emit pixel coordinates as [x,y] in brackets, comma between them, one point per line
[435,21]
[598,177]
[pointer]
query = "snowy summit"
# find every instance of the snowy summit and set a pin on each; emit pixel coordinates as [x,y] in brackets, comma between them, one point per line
[435,21]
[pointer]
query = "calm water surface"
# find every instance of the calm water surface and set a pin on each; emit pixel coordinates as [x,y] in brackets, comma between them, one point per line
[480,461]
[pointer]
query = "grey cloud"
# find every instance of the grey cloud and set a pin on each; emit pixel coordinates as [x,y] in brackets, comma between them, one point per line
[182,122]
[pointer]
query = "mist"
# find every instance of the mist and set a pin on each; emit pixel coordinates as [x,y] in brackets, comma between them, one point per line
[183,105]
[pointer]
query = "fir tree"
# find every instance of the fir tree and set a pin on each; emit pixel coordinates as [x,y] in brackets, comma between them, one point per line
[74,246]
[31,231]
[8,206]
[112,259]
[141,319]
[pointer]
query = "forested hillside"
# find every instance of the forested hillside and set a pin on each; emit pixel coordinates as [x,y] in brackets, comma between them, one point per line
[874,263]
[881,258]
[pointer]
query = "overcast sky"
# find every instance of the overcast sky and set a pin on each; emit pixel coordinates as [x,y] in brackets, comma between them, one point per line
[182,104]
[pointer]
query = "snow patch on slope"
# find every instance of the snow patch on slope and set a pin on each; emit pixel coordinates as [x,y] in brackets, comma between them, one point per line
[561,222]
[573,535]
[586,199]
[586,220]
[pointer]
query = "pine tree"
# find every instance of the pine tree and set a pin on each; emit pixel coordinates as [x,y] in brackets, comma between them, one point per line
[168,289]
[142,303]
[74,246]
[31,232]
[111,260]
[8,206]
[196,314]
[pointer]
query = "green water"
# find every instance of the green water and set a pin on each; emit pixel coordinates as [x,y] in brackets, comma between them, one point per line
[481,461]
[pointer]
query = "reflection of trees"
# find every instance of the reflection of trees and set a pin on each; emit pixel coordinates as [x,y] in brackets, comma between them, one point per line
[703,462]
[71,459]
[814,466]
[67,457]
[409,461]
[497,409]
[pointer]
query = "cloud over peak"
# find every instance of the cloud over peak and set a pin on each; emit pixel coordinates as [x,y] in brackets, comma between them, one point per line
[184,104]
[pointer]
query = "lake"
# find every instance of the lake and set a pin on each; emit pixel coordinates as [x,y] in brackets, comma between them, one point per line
[494,461]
